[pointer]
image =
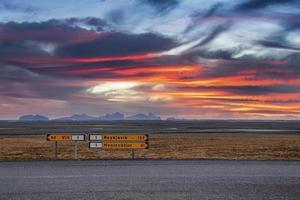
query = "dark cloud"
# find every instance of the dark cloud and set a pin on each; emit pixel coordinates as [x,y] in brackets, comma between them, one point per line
[25,45]
[71,40]
[24,48]
[24,83]
[198,17]
[258,90]
[162,6]
[28,45]
[116,16]
[249,90]
[260,4]
[216,54]
[59,31]
[290,22]
[9,5]
[118,44]
[92,22]
[10,71]
[213,10]
[251,70]
[292,25]
[277,45]
[213,34]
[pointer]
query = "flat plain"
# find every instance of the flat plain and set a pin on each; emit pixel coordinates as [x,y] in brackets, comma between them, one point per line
[236,140]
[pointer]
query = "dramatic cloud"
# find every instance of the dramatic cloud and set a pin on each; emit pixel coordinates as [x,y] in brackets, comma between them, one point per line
[213,34]
[278,44]
[57,31]
[10,6]
[162,5]
[200,17]
[238,59]
[117,44]
[259,4]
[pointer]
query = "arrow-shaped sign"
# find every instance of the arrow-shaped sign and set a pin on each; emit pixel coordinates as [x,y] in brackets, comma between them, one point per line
[125,145]
[124,137]
[65,137]
[59,137]
[119,145]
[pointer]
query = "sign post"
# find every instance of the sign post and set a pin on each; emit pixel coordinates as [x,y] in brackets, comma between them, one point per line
[55,150]
[76,138]
[132,154]
[101,156]
[75,150]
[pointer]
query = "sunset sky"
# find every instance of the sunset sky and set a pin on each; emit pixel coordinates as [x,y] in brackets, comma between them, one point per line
[216,59]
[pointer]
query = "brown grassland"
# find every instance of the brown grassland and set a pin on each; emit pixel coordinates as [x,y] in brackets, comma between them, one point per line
[164,146]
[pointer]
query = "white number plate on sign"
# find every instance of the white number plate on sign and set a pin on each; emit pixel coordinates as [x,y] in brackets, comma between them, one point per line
[78,137]
[95,145]
[95,137]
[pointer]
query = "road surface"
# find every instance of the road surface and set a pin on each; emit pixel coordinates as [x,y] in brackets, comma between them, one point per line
[150,179]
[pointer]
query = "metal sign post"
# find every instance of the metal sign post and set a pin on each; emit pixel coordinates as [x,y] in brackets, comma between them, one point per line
[55,150]
[132,154]
[75,138]
[75,150]
[101,154]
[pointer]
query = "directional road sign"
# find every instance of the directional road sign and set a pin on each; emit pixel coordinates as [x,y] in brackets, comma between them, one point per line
[59,137]
[65,137]
[124,137]
[119,145]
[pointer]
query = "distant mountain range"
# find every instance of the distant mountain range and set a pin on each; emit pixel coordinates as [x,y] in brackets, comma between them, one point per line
[81,117]
[84,117]
[113,116]
[33,118]
[150,116]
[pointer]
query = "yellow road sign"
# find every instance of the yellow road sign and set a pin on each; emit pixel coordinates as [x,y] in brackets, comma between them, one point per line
[59,137]
[124,137]
[125,145]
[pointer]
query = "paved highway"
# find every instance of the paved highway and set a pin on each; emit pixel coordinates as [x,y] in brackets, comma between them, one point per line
[150,179]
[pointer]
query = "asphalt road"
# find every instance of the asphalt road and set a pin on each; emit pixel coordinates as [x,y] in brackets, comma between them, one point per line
[150,179]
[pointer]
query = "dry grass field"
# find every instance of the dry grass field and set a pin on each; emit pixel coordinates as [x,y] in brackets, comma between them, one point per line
[164,146]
